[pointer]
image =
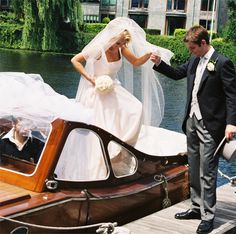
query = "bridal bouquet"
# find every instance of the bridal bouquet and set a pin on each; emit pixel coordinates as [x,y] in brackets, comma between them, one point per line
[103,84]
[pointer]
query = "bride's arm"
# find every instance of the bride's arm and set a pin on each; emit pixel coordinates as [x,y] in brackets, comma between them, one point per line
[77,61]
[136,61]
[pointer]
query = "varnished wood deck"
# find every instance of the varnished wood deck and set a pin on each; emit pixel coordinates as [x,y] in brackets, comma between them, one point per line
[10,193]
[163,222]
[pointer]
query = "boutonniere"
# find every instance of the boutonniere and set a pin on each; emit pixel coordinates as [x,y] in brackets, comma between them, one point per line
[211,65]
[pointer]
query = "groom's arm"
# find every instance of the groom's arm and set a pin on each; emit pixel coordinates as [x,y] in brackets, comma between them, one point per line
[228,76]
[173,73]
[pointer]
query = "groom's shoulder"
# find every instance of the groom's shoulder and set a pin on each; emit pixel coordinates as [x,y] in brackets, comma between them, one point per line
[220,56]
[223,59]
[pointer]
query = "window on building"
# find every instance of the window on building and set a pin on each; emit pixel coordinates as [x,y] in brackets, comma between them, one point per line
[4,3]
[141,20]
[176,5]
[206,24]
[94,1]
[207,5]
[139,3]
[111,17]
[108,2]
[174,23]
[91,18]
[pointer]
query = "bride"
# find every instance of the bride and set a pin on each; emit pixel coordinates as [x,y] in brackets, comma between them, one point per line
[124,102]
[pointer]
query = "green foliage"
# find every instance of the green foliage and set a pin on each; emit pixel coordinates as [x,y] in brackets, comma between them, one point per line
[231,25]
[152,31]
[92,27]
[226,48]
[10,35]
[9,17]
[175,44]
[106,20]
[10,30]
[214,34]
[180,32]
[44,19]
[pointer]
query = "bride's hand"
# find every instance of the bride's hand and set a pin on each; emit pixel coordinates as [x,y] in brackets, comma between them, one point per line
[92,80]
[155,59]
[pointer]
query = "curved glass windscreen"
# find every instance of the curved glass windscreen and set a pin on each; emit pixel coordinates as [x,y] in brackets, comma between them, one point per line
[84,158]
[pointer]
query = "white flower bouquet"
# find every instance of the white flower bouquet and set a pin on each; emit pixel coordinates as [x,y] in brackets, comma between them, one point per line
[104,84]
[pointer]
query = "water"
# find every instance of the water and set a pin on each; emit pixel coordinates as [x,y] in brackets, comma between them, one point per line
[57,71]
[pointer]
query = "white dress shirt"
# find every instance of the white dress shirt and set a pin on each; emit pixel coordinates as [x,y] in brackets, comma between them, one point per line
[199,72]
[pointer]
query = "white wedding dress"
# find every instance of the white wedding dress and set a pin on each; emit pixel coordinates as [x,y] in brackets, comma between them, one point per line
[118,112]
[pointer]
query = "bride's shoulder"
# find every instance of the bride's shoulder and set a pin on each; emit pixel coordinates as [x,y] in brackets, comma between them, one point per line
[95,52]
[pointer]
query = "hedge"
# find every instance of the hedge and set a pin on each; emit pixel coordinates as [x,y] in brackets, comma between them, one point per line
[72,42]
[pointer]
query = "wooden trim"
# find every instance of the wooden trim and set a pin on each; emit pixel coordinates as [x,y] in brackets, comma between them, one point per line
[36,181]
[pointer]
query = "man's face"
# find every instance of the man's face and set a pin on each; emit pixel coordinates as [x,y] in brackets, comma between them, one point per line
[195,49]
[22,128]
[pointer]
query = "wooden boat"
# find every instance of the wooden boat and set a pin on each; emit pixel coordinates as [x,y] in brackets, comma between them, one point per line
[32,197]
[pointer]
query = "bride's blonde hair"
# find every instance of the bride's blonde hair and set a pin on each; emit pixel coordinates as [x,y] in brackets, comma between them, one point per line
[126,35]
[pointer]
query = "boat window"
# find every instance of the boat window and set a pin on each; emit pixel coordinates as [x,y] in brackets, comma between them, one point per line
[123,162]
[82,157]
[21,143]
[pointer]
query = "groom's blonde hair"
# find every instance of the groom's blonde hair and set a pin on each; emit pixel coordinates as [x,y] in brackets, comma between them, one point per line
[196,34]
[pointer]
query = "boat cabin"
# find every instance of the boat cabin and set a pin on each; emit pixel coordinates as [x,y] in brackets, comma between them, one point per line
[40,175]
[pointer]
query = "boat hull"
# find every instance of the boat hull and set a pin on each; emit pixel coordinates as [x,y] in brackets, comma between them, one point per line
[122,205]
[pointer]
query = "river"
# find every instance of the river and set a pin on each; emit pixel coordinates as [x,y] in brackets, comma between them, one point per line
[57,71]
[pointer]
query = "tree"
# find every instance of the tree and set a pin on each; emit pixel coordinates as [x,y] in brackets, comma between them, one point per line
[231,26]
[44,19]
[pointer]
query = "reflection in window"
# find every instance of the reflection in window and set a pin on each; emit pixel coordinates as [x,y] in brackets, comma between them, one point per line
[93,1]
[141,20]
[206,24]
[82,157]
[176,5]
[123,162]
[111,17]
[139,3]
[108,2]
[207,5]
[173,23]
[91,18]
[21,143]
[4,3]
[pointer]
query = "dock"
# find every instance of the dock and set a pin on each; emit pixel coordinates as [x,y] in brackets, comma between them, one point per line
[163,222]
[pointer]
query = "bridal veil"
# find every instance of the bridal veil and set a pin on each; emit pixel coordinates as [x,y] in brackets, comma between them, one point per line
[142,82]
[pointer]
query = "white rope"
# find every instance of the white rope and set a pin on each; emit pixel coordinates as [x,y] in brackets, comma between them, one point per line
[232,180]
[110,225]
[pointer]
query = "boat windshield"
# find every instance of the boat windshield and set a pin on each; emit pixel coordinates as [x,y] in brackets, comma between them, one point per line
[85,158]
[22,141]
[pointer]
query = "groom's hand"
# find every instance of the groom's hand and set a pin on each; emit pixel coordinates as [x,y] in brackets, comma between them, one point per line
[155,59]
[230,131]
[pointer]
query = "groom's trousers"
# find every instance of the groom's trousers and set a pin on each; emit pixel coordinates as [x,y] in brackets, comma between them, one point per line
[203,168]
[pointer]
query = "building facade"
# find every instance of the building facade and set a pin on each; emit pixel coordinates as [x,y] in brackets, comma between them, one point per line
[164,15]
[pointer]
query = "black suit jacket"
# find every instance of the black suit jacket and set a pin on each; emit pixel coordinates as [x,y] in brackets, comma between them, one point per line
[32,149]
[216,94]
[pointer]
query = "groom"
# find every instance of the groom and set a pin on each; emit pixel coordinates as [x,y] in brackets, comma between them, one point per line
[210,115]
